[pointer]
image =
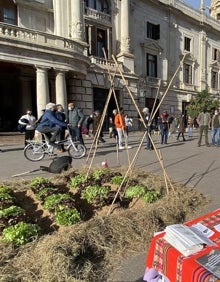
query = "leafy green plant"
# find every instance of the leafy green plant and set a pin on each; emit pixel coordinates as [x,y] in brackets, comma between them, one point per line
[77,180]
[20,233]
[6,200]
[95,193]
[45,192]
[5,189]
[151,196]
[52,201]
[39,183]
[67,217]
[99,172]
[136,191]
[11,211]
[117,179]
[11,216]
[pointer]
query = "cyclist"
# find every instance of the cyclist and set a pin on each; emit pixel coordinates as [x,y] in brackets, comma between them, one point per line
[51,126]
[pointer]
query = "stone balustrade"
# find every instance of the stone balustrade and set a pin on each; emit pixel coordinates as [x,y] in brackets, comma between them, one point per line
[19,34]
[97,15]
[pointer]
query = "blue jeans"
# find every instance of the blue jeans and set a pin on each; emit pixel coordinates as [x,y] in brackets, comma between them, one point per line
[190,130]
[213,134]
[148,141]
[76,132]
[164,135]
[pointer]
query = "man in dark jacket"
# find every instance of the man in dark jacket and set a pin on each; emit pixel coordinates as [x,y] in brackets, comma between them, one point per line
[75,120]
[50,125]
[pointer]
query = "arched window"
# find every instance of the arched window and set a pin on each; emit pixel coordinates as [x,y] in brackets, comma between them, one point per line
[8,12]
[99,5]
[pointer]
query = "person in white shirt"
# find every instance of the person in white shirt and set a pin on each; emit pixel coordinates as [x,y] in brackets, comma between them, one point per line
[30,121]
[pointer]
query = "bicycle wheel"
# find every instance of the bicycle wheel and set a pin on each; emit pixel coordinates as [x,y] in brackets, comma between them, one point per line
[77,151]
[34,152]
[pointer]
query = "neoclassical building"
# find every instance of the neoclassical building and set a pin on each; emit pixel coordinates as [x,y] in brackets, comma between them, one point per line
[52,50]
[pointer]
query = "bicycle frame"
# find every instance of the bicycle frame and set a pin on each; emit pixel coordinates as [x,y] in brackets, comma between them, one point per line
[36,151]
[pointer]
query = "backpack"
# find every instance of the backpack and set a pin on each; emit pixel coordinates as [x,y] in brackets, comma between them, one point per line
[21,127]
[60,164]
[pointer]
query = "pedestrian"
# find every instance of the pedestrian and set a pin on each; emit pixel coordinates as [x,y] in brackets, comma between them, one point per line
[60,115]
[164,127]
[51,126]
[89,122]
[96,124]
[128,123]
[215,124]
[110,127]
[121,129]
[75,118]
[181,127]
[204,121]
[172,126]
[29,122]
[190,123]
[146,118]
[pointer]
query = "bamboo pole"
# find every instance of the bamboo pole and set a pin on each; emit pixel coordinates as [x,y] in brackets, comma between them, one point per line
[126,174]
[167,89]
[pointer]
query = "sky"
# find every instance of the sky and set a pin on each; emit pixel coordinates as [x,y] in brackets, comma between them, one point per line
[196,3]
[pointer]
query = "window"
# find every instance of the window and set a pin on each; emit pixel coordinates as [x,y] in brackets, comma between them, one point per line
[153,31]
[8,12]
[214,79]
[97,40]
[187,74]
[215,54]
[187,43]
[99,5]
[151,65]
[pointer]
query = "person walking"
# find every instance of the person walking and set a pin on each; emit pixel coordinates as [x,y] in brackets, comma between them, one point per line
[96,124]
[60,115]
[190,123]
[121,129]
[181,127]
[203,120]
[164,127]
[51,126]
[30,122]
[215,124]
[75,118]
[146,117]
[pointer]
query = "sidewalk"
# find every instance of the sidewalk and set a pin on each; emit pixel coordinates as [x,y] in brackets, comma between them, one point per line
[11,141]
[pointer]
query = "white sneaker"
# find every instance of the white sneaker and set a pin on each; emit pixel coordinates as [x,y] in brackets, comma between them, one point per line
[128,147]
[121,147]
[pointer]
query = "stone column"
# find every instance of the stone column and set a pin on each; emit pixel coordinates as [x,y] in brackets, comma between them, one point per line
[61,17]
[125,55]
[42,89]
[125,31]
[76,20]
[61,93]
[203,59]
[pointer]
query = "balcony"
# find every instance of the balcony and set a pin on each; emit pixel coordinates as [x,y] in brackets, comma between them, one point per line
[35,47]
[17,34]
[97,16]
[153,81]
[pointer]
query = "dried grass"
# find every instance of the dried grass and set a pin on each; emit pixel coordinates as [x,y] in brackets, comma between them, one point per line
[91,250]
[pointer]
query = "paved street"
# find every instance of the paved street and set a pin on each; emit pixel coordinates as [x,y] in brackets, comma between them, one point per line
[198,167]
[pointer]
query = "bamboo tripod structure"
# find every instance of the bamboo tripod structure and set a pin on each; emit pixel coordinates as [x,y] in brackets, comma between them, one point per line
[158,153]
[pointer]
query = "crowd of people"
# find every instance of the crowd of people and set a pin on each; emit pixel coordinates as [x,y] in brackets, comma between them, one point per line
[54,122]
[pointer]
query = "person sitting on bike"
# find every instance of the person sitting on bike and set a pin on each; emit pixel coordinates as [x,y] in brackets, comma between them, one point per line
[51,126]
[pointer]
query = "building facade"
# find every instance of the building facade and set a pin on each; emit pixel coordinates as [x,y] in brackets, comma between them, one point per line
[52,50]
